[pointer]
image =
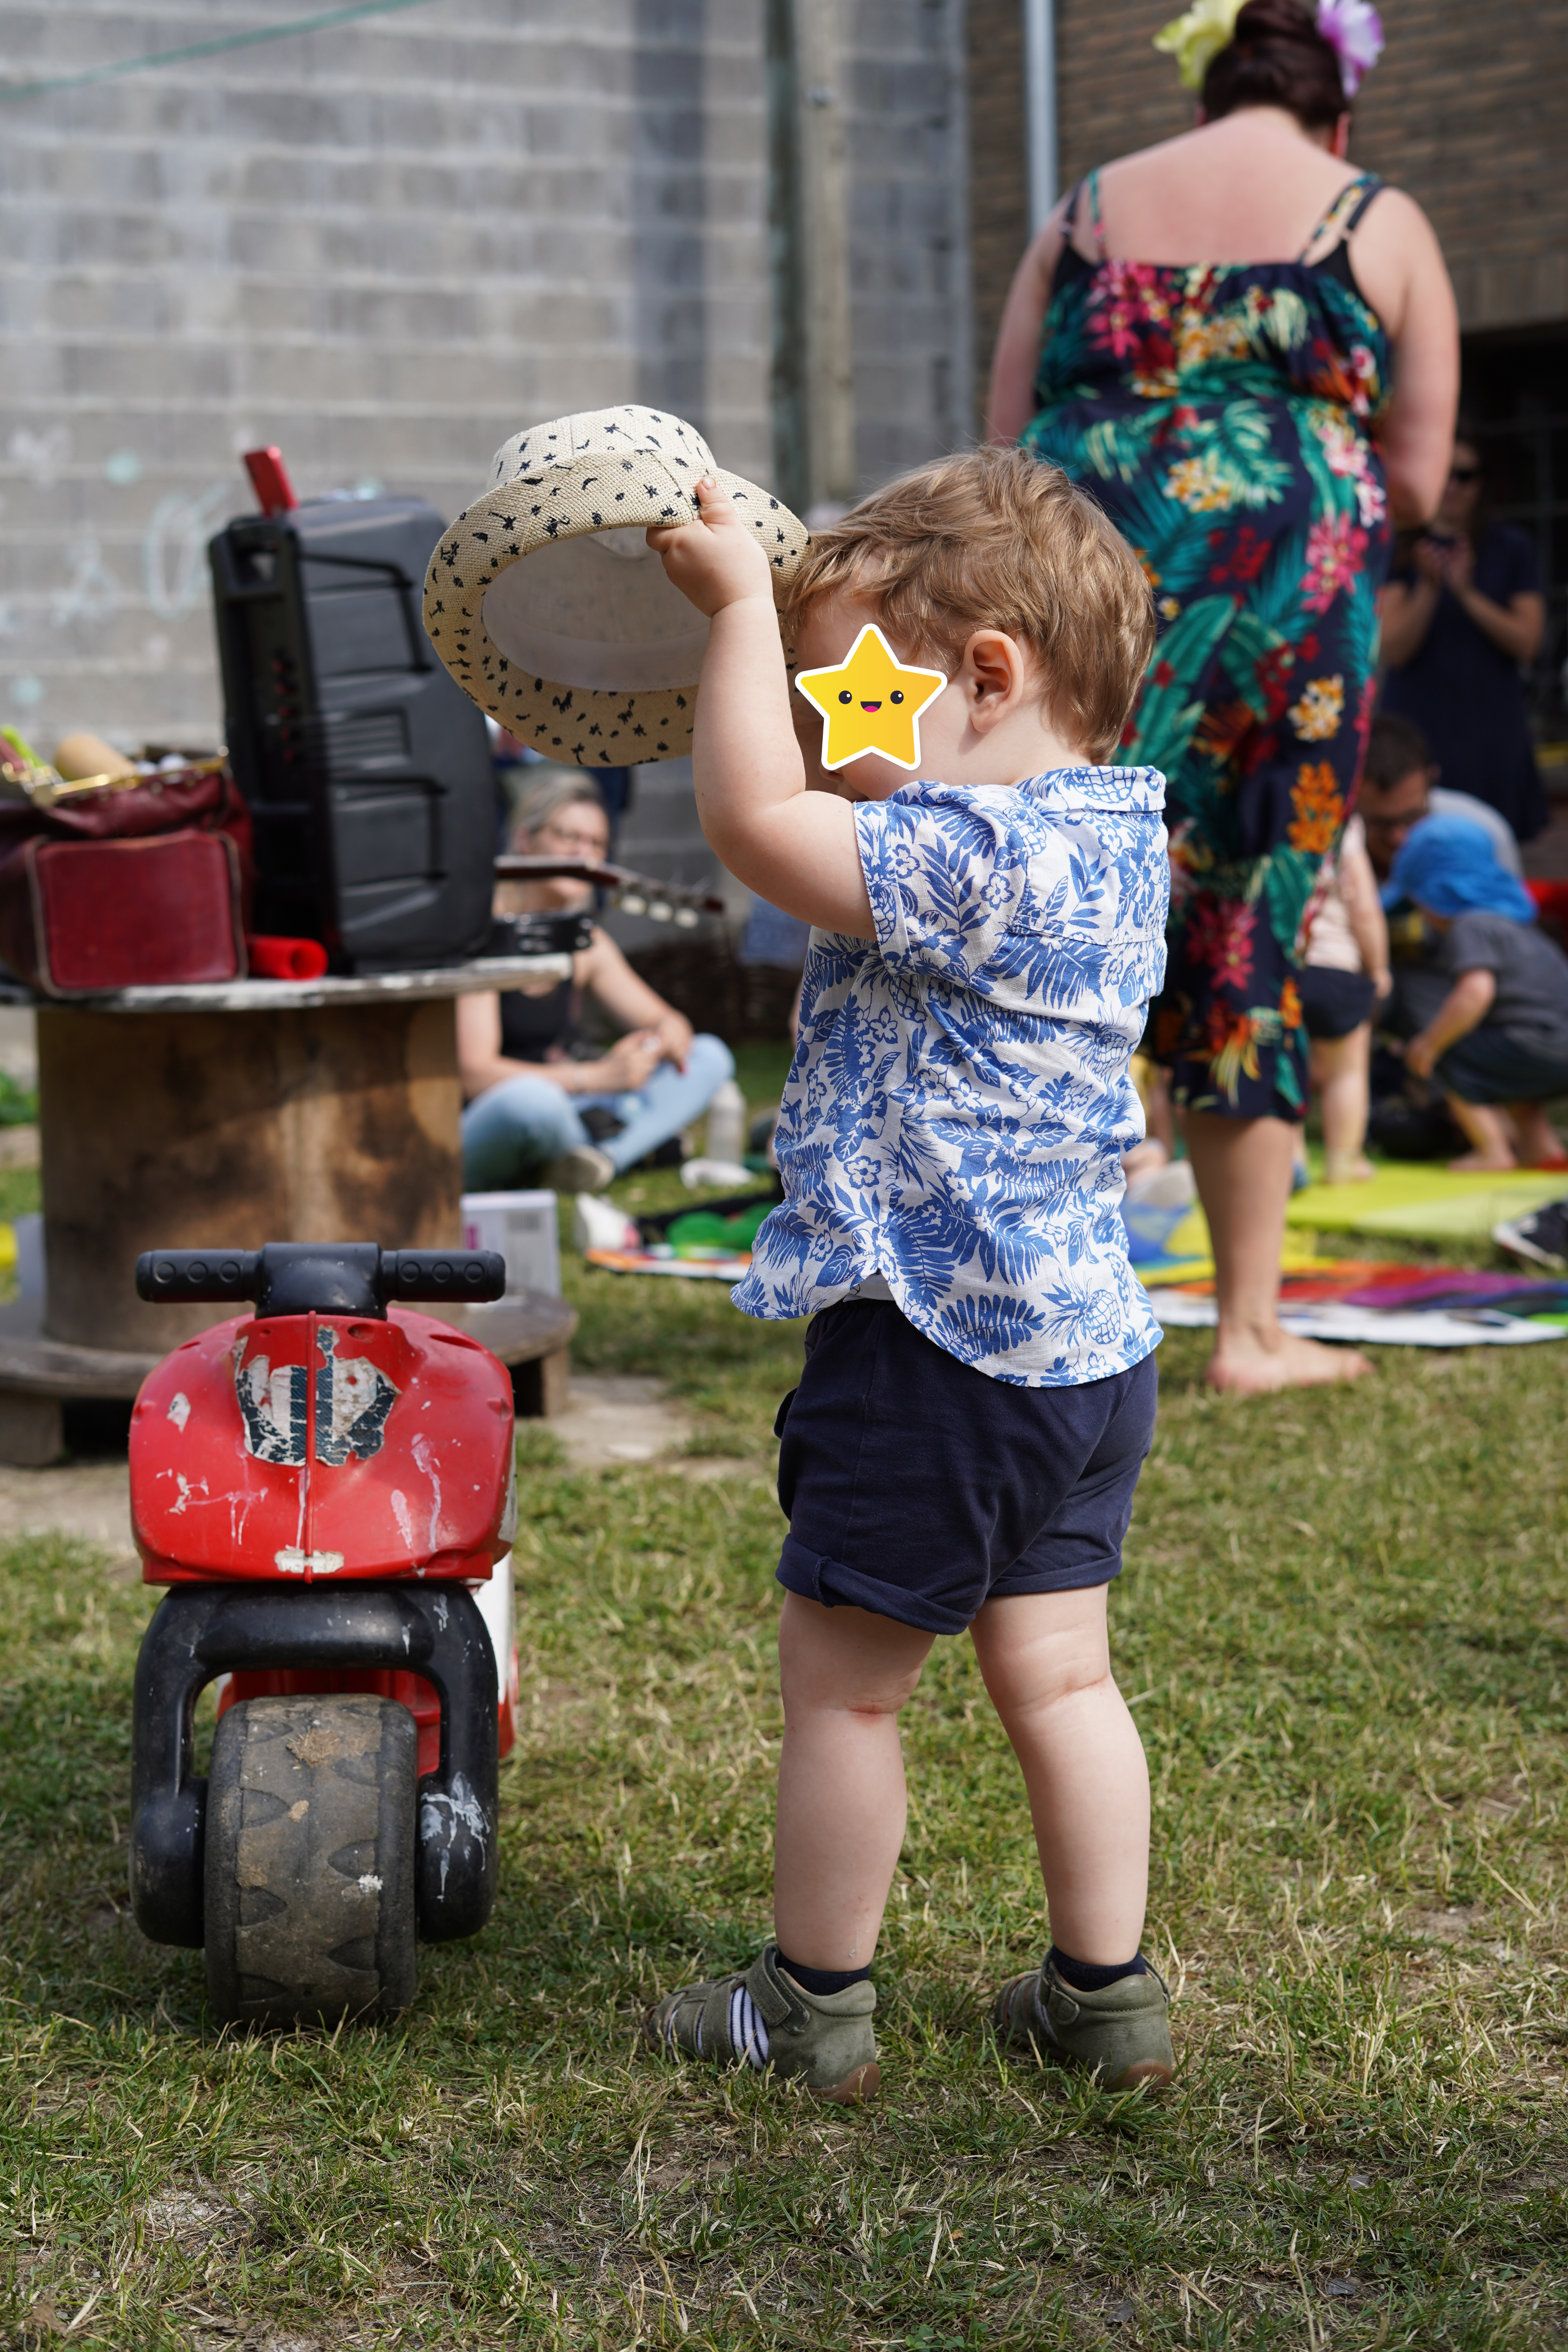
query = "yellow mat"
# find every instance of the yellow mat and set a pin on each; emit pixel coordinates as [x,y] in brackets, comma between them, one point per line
[1425,1203]
[1192,1252]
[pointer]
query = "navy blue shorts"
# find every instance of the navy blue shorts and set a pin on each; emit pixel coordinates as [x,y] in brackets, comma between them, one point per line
[1489,1066]
[919,1488]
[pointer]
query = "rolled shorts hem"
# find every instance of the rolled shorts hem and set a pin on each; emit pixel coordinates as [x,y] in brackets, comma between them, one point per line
[817,1576]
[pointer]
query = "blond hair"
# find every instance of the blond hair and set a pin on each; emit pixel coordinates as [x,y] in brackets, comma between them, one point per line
[994,539]
[543,796]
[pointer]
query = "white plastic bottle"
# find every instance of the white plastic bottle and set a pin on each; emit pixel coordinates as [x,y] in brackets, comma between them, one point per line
[727,1124]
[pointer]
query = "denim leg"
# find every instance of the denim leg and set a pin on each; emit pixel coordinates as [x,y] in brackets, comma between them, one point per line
[672,1099]
[511,1131]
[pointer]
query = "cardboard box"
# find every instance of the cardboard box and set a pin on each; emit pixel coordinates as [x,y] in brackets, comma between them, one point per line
[522,1226]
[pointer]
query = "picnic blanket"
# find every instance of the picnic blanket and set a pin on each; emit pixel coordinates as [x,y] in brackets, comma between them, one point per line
[1425,1203]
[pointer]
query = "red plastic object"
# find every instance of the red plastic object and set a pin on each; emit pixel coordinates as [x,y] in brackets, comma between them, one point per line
[305,1448]
[1551,900]
[316,1446]
[124,914]
[279,958]
[270,481]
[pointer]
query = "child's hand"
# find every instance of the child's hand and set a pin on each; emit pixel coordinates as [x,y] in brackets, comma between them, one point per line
[716,561]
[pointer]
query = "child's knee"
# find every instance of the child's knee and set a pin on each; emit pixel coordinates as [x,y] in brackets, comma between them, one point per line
[861,1665]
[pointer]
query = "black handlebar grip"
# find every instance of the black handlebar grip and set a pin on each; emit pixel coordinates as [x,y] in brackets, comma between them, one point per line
[178,1277]
[442,1274]
[319,1277]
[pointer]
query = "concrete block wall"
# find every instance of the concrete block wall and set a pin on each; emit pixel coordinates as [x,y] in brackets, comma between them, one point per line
[385,246]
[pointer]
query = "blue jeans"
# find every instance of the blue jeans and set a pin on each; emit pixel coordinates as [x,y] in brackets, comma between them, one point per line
[512,1129]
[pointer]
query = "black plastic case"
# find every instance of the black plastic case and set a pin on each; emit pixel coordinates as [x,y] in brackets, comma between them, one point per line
[366,768]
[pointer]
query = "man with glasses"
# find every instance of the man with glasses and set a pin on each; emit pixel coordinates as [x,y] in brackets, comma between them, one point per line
[1400,786]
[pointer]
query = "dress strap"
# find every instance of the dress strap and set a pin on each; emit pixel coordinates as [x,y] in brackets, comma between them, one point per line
[1096,225]
[1341,217]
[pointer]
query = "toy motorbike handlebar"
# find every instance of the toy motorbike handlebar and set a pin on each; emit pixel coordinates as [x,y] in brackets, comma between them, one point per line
[319,1277]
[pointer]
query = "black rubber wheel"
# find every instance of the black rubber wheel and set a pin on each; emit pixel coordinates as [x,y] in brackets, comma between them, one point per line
[310,1861]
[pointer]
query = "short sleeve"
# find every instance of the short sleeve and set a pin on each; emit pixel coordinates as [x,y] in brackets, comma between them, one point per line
[946,882]
[1476,943]
[1515,565]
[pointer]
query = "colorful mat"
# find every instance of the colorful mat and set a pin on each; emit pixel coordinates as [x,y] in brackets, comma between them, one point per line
[1424,1203]
[717,1266]
[1368,1326]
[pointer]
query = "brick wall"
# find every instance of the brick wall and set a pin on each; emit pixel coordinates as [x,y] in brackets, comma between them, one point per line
[1465,113]
[386,246]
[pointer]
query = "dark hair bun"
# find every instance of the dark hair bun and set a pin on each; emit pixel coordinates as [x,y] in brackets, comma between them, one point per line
[1277,56]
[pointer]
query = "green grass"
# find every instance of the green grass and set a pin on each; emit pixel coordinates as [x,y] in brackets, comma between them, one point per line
[1344,1629]
[1344,1626]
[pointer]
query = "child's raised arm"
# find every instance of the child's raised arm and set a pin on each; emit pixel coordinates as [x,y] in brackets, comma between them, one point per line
[797,849]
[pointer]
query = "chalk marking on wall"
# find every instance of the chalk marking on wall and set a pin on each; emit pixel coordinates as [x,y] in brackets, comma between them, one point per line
[92,591]
[41,456]
[173,548]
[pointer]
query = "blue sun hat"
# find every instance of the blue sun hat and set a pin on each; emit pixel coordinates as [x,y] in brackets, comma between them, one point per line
[1449,864]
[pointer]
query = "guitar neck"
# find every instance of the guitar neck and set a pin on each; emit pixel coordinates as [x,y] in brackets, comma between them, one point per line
[638,894]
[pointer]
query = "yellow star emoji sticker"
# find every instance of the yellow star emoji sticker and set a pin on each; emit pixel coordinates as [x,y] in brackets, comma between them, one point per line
[871,702]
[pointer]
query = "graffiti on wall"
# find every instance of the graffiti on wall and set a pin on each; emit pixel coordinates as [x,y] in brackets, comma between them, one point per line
[80,603]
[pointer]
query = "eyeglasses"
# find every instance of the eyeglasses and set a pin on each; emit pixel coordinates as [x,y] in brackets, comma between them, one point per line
[1464,473]
[588,844]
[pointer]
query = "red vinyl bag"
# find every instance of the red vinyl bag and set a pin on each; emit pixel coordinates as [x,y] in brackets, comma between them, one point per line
[140,887]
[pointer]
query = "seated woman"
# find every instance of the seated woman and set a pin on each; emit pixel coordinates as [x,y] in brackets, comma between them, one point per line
[524,1123]
[1499,1041]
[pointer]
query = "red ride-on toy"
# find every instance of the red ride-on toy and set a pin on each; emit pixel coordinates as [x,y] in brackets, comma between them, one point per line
[328,1488]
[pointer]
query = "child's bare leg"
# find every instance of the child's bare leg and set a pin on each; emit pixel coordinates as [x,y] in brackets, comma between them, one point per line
[841,1805]
[1341,1071]
[1046,1664]
[1488,1133]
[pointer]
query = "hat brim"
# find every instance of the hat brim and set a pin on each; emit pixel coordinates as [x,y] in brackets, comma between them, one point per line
[584,719]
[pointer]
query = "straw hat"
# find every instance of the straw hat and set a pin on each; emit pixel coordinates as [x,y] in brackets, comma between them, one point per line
[550,610]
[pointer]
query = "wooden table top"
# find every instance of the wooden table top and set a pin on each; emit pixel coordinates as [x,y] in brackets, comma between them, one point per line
[308,995]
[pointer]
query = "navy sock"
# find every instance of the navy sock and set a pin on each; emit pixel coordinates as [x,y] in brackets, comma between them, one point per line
[1088,1975]
[821,1981]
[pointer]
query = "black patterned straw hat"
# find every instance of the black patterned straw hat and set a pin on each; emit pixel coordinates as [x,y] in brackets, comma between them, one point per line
[550,610]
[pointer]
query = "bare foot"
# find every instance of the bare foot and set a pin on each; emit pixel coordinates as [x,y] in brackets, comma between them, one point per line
[1537,1143]
[1347,1168]
[1254,1364]
[1483,1163]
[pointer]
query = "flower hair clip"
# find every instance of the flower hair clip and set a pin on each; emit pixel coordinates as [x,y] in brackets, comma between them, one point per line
[1352,29]
[1195,39]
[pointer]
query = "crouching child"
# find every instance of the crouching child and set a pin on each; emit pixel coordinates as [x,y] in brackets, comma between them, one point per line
[979,1386]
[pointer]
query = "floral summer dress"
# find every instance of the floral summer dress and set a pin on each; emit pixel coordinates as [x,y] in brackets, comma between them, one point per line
[1224,416]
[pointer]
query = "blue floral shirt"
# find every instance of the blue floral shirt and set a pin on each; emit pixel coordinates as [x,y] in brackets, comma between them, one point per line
[960,1100]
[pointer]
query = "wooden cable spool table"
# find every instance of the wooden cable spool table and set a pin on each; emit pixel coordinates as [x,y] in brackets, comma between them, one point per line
[234,1113]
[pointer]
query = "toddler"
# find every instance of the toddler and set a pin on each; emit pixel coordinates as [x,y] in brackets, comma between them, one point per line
[1344,976]
[979,1386]
[1498,1043]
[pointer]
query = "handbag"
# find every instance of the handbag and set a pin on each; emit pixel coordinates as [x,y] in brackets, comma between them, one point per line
[126,884]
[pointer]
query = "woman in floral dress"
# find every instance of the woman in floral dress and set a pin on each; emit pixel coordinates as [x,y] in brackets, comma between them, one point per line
[1257,399]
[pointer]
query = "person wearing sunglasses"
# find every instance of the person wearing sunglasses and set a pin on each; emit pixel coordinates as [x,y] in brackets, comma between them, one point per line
[1462,615]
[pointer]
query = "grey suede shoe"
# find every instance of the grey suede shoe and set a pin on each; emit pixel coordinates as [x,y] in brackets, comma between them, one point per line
[584,1169]
[1121,2033]
[765,2018]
